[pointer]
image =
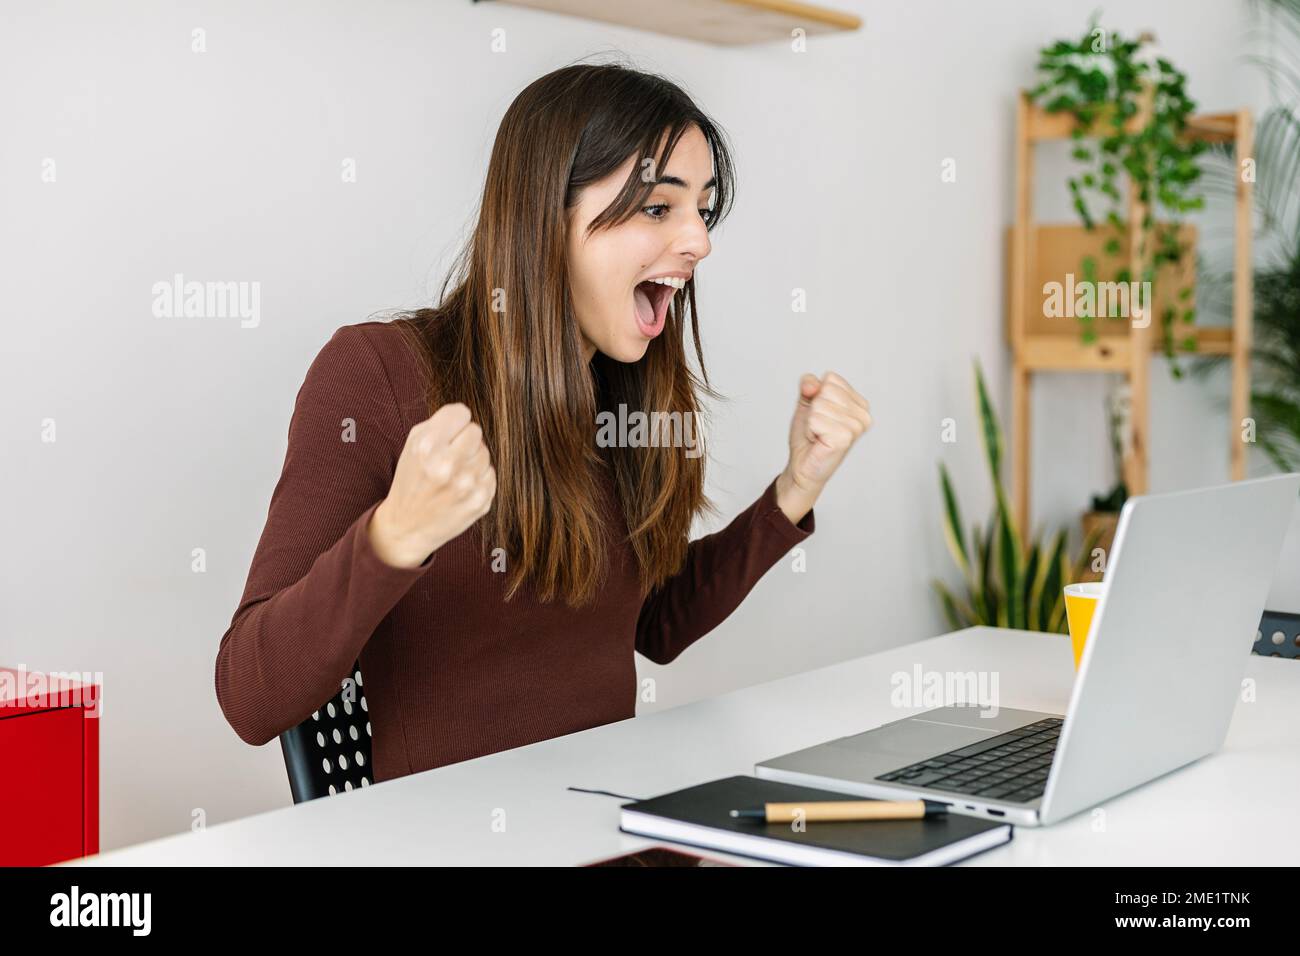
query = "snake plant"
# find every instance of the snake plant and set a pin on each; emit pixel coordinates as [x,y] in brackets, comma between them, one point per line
[1008,582]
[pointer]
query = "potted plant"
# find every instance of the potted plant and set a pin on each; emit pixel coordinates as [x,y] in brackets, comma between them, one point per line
[1131,110]
[1008,581]
[1275,370]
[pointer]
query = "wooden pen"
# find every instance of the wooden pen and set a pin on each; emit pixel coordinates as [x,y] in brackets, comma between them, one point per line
[830,810]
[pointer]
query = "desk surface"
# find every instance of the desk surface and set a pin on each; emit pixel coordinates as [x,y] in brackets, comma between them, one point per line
[1232,807]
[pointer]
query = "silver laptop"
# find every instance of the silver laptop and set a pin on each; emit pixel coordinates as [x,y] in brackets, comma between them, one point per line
[1186,583]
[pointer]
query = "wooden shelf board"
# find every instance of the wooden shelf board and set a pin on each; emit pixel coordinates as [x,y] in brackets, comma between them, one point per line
[1208,127]
[1048,126]
[722,22]
[1068,353]
[1111,352]
[1213,127]
[1214,341]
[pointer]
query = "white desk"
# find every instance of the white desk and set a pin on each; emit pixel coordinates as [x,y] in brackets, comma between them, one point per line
[1234,807]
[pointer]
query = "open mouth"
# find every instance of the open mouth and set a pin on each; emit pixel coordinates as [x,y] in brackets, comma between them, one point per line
[650,305]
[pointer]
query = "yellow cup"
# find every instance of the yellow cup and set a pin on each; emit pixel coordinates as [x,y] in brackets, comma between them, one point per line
[1080,603]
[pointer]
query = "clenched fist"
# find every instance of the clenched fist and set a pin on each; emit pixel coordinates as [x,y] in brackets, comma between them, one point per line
[829,417]
[443,483]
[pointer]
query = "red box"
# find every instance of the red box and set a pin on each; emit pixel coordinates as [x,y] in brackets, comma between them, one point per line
[49,747]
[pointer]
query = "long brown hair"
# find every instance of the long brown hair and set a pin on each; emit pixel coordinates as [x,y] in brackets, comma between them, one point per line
[505,341]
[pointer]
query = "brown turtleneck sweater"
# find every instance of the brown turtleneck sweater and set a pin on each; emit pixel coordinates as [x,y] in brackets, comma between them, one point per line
[452,670]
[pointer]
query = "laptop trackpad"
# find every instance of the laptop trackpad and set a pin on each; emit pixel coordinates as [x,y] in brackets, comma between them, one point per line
[913,738]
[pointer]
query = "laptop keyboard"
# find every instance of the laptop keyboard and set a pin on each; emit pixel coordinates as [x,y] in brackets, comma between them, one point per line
[1011,766]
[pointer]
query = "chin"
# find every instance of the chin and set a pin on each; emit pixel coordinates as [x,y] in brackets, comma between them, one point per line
[625,349]
[635,351]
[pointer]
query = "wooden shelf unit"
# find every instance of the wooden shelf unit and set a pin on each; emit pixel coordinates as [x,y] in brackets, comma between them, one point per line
[722,22]
[1121,346]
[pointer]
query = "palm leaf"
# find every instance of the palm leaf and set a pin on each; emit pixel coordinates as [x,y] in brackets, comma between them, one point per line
[1277,423]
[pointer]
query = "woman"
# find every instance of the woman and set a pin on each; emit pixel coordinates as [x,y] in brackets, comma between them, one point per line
[448,513]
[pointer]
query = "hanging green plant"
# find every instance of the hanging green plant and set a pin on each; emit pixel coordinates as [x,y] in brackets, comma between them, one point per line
[1105,81]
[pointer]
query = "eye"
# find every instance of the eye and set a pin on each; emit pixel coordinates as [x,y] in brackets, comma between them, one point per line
[708,215]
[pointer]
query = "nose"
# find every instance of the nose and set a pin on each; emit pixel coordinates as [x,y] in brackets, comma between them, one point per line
[693,241]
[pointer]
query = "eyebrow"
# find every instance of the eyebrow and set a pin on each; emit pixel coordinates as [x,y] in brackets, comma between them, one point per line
[674,181]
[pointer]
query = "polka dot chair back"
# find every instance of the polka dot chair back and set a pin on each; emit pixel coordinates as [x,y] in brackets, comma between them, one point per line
[1278,635]
[329,752]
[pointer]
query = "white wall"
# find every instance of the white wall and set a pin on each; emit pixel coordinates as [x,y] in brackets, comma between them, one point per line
[225,166]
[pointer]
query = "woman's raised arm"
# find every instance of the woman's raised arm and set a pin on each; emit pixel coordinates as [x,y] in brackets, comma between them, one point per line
[317,589]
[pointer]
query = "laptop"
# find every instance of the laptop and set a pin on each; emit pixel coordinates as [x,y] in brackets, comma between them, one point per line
[1186,582]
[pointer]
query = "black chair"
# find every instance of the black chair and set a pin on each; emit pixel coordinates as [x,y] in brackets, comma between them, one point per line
[1278,635]
[330,752]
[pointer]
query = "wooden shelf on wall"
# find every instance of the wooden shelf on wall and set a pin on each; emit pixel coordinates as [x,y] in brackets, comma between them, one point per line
[1110,353]
[723,22]
[1041,253]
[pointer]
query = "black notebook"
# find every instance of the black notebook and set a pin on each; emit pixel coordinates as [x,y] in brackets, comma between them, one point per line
[699,816]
